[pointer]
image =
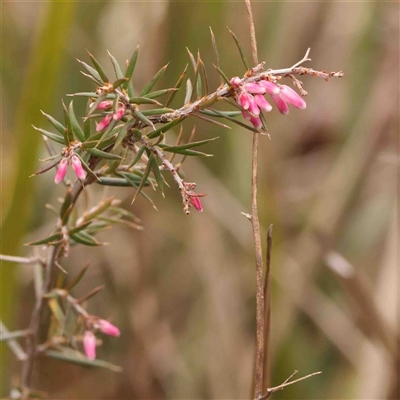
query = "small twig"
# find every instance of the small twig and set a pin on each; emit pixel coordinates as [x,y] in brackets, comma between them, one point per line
[267,308]
[272,390]
[22,260]
[303,60]
[13,344]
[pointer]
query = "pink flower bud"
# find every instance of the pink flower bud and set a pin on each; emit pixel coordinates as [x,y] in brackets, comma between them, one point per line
[244,100]
[77,167]
[281,104]
[292,97]
[254,88]
[253,108]
[61,171]
[105,105]
[270,87]
[104,123]
[119,113]
[236,81]
[246,115]
[256,122]
[89,345]
[196,203]
[108,328]
[262,102]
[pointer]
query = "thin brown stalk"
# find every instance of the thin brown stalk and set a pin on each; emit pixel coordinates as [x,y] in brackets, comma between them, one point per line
[267,309]
[259,361]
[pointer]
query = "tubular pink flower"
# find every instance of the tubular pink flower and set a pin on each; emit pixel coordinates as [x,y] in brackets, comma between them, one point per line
[89,345]
[256,122]
[254,88]
[253,108]
[269,87]
[196,203]
[244,100]
[61,171]
[246,115]
[262,102]
[236,81]
[292,97]
[105,105]
[108,328]
[281,104]
[104,123]
[119,113]
[77,167]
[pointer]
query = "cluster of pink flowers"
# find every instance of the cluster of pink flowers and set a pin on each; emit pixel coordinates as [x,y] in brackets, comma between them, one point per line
[63,168]
[116,116]
[89,338]
[250,96]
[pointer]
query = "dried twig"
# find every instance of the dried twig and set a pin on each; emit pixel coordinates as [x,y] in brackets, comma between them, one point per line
[282,386]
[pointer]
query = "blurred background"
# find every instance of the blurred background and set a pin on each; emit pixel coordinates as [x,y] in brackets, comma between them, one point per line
[182,290]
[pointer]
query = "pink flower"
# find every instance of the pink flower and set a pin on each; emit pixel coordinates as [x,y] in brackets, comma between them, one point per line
[89,345]
[61,171]
[244,99]
[105,105]
[196,203]
[281,104]
[254,88]
[292,97]
[262,102]
[78,169]
[119,113]
[236,81]
[104,123]
[108,328]
[269,87]
[256,121]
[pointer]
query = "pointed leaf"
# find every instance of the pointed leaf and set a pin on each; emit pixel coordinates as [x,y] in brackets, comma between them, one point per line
[157,111]
[158,93]
[176,149]
[143,100]
[223,76]
[58,125]
[92,72]
[157,173]
[243,57]
[48,240]
[164,128]
[112,181]
[222,114]
[77,278]
[119,82]
[189,91]
[117,68]
[76,357]
[142,118]
[189,145]
[153,81]
[131,66]
[4,336]
[48,166]
[214,44]
[177,86]
[52,136]
[137,157]
[85,239]
[103,154]
[76,128]
[143,181]
[99,68]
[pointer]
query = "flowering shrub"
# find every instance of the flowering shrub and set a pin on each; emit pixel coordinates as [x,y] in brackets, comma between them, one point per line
[121,141]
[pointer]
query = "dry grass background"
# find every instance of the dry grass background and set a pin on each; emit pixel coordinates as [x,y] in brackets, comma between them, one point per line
[183,290]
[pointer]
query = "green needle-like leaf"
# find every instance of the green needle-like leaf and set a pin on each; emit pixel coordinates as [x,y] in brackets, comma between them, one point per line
[76,128]
[142,118]
[117,68]
[164,128]
[214,44]
[85,239]
[58,125]
[137,157]
[243,57]
[157,111]
[99,68]
[157,173]
[103,154]
[143,100]
[131,66]
[92,72]
[223,76]
[52,136]
[177,86]
[153,81]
